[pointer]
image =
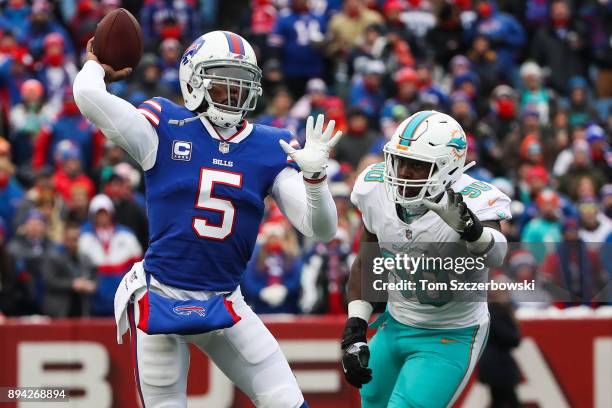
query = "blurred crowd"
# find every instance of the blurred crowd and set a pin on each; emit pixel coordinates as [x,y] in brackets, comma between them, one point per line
[530,82]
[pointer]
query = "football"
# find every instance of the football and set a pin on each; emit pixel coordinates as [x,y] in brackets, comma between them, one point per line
[118,40]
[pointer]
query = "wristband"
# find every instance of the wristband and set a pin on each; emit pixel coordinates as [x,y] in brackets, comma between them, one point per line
[315,181]
[361,309]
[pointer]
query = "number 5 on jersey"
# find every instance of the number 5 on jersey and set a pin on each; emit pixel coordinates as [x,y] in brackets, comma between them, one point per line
[205,200]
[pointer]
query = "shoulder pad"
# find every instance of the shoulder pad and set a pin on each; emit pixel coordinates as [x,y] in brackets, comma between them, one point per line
[152,110]
[367,181]
[484,199]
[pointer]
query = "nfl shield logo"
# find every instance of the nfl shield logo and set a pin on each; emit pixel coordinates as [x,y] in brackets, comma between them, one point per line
[224,147]
[408,234]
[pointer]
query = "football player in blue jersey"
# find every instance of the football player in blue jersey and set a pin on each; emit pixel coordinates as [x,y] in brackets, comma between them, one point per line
[207,172]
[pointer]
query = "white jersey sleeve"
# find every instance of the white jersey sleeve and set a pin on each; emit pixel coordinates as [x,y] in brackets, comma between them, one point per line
[117,119]
[368,195]
[486,201]
[309,207]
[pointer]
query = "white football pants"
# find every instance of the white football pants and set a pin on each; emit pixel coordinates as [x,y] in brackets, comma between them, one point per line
[247,353]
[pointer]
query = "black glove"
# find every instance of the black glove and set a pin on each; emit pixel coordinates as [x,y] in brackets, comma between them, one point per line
[356,352]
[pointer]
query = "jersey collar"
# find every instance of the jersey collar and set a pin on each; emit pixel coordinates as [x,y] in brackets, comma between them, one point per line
[233,135]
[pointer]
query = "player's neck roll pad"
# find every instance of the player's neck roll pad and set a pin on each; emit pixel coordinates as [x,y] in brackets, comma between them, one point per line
[162,315]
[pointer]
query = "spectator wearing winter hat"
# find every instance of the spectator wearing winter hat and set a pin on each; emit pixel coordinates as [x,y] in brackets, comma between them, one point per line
[40,24]
[580,109]
[403,104]
[366,92]
[503,112]
[26,121]
[533,179]
[357,140]
[28,249]
[149,84]
[531,150]
[601,157]
[317,101]
[170,51]
[15,69]
[581,166]
[468,84]
[55,72]
[11,194]
[561,46]
[113,248]
[69,171]
[72,126]
[530,121]
[534,94]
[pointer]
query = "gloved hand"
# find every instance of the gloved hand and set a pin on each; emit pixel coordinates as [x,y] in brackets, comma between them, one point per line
[274,295]
[457,215]
[312,159]
[356,352]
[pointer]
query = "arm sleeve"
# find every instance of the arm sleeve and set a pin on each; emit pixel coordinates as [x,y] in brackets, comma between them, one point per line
[309,207]
[117,119]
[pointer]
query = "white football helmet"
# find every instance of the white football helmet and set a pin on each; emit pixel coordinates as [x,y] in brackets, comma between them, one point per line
[226,59]
[431,137]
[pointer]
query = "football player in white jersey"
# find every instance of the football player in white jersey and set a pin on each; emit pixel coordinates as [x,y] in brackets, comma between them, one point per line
[420,201]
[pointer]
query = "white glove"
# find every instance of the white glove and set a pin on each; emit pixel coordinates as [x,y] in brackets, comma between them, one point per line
[312,159]
[274,295]
[457,215]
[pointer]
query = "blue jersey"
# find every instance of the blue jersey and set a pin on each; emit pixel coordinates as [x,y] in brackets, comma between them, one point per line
[297,36]
[205,199]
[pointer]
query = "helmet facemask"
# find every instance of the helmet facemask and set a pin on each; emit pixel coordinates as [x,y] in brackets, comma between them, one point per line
[442,173]
[241,82]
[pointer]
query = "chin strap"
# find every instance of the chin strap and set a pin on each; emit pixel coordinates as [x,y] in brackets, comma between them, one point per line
[181,122]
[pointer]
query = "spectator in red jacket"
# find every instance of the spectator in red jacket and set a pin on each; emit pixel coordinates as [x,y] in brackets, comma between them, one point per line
[70,171]
[69,125]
